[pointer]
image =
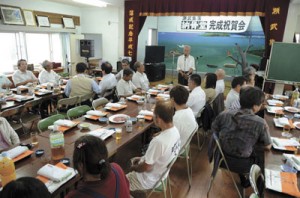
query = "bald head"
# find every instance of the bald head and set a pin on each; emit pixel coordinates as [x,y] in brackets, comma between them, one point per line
[220,74]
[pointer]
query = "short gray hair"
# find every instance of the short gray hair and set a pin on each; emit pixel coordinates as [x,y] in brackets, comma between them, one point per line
[45,63]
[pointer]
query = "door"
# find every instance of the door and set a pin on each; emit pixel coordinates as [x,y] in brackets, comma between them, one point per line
[75,52]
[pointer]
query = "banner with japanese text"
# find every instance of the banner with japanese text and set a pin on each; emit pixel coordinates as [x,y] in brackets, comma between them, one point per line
[131,29]
[232,24]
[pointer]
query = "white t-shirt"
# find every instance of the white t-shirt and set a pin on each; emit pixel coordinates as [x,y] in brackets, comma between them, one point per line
[125,87]
[196,100]
[220,87]
[231,97]
[185,63]
[46,77]
[119,75]
[140,80]
[108,81]
[161,151]
[184,120]
[19,76]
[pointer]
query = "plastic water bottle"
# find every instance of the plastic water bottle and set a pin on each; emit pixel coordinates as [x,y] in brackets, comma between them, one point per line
[295,97]
[19,90]
[57,143]
[7,169]
[148,98]
[128,125]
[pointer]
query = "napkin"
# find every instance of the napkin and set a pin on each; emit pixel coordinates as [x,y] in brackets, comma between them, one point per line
[20,97]
[12,153]
[113,105]
[95,113]
[163,95]
[283,121]
[136,96]
[162,86]
[153,90]
[62,122]
[54,173]
[146,112]
[102,133]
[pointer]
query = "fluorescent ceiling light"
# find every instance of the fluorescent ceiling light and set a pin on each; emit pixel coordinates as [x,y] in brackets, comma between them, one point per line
[97,3]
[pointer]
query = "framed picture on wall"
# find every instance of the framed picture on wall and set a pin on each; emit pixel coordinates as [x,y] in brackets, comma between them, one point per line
[29,18]
[11,15]
[68,22]
[43,21]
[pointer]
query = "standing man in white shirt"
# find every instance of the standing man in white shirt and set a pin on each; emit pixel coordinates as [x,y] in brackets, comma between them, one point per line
[234,93]
[108,81]
[125,87]
[163,148]
[184,118]
[22,76]
[48,75]
[185,65]
[220,86]
[139,78]
[197,97]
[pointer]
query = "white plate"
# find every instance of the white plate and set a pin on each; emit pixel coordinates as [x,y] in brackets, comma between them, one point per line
[122,116]
[297,125]
[280,97]
[272,109]
[274,102]
[291,109]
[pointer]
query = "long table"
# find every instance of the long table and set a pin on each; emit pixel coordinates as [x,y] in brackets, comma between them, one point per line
[30,166]
[274,158]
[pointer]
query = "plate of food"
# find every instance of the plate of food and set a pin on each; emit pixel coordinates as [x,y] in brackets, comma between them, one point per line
[274,109]
[275,102]
[291,109]
[280,97]
[297,125]
[118,118]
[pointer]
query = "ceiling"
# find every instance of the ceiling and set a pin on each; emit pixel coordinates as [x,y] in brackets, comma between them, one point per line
[117,3]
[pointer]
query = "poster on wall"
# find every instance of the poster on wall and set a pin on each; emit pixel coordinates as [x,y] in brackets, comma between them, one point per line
[231,24]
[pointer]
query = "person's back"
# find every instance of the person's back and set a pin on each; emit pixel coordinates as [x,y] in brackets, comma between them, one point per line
[81,85]
[106,187]
[100,178]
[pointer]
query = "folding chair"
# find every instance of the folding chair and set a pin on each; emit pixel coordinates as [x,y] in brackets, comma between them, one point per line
[218,158]
[200,136]
[64,104]
[99,103]
[13,116]
[257,180]
[164,181]
[44,123]
[77,111]
[186,153]
[31,112]
[87,99]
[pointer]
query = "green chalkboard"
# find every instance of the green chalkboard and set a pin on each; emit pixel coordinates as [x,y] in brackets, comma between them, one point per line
[284,62]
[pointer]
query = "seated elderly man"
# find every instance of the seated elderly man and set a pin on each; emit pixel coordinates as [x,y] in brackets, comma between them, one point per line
[48,75]
[140,79]
[8,136]
[125,87]
[241,131]
[220,86]
[4,83]
[163,148]
[197,97]
[125,65]
[234,93]
[184,118]
[80,84]
[108,81]
[22,76]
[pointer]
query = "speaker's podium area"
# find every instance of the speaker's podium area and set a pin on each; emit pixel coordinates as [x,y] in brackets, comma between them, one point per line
[155,71]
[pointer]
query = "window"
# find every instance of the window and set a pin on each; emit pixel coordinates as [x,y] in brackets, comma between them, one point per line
[8,52]
[34,47]
[37,47]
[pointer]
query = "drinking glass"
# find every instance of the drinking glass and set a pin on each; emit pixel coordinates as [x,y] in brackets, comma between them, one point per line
[118,133]
[286,131]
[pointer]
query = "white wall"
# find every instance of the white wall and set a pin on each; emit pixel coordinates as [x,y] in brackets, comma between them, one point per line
[292,23]
[95,21]
[151,22]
